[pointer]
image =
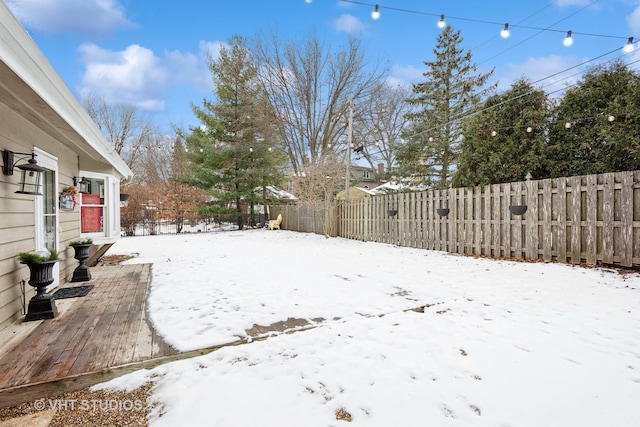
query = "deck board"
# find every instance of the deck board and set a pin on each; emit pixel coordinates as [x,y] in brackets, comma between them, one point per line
[107,328]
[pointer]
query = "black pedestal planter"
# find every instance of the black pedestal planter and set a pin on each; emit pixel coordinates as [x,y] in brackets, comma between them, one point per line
[42,305]
[81,273]
[442,211]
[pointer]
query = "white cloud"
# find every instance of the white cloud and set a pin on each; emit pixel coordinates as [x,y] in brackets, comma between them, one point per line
[567,3]
[348,24]
[633,20]
[407,75]
[81,17]
[192,68]
[211,48]
[546,71]
[137,76]
[132,76]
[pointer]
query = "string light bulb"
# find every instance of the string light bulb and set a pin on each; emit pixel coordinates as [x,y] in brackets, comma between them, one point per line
[568,41]
[529,129]
[567,125]
[494,133]
[441,23]
[376,12]
[505,31]
[628,48]
[611,117]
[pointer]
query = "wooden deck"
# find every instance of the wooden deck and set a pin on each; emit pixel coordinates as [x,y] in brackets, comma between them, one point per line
[91,335]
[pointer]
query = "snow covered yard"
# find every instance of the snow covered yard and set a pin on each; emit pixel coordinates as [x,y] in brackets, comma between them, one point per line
[408,337]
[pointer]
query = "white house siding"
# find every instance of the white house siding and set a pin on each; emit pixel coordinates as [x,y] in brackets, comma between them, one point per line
[17,216]
[38,112]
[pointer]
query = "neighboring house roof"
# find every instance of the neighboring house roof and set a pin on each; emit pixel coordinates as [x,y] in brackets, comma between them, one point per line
[27,78]
[395,187]
[367,185]
[276,193]
[355,193]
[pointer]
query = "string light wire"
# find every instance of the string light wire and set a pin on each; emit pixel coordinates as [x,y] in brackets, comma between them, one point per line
[481,21]
[513,46]
[539,30]
[472,113]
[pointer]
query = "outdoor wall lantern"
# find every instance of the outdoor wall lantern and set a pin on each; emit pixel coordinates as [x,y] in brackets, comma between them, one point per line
[81,183]
[31,173]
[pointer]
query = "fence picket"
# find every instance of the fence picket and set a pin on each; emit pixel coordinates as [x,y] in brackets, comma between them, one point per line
[532,220]
[562,219]
[496,190]
[547,235]
[591,213]
[626,228]
[576,217]
[607,217]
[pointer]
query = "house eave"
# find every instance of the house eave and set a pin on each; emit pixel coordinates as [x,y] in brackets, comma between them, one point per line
[58,111]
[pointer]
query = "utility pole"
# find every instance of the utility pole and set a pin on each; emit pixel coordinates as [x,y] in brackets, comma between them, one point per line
[347,178]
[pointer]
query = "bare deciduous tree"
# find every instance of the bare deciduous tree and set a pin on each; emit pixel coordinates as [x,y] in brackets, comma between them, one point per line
[319,184]
[379,124]
[128,129]
[309,88]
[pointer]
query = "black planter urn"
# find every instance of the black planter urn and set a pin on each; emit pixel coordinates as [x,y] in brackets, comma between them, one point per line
[517,209]
[392,212]
[442,212]
[42,305]
[81,273]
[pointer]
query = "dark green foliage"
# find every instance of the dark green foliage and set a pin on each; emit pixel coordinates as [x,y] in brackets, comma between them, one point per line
[233,151]
[81,242]
[519,118]
[34,258]
[452,87]
[593,143]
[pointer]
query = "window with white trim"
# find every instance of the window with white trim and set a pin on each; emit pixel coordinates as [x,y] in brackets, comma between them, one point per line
[98,207]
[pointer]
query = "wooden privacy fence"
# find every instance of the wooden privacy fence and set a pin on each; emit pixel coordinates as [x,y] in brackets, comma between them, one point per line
[306,217]
[592,219]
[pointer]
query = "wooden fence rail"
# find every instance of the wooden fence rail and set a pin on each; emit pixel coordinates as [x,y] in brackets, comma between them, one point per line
[592,219]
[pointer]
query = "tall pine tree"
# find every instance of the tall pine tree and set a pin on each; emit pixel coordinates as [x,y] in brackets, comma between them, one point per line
[233,152]
[452,88]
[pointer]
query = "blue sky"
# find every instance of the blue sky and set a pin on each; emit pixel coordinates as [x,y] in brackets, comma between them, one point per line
[152,53]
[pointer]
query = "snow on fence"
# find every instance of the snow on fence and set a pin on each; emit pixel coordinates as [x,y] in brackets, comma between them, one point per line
[591,218]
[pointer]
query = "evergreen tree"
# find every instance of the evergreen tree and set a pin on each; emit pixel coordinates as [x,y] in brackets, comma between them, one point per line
[597,123]
[506,139]
[453,87]
[233,151]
